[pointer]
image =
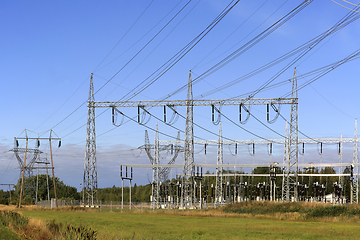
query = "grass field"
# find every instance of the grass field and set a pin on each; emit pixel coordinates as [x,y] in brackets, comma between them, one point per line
[192,225]
[7,234]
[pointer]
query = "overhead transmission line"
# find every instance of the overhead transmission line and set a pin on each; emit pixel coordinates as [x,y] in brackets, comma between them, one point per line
[126,63]
[123,36]
[302,50]
[342,23]
[176,58]
[95,69]
[151,52]
[246,46]
[233,33]
[320,72]
[329,68]
[179,55]
[287,17]
[346,20]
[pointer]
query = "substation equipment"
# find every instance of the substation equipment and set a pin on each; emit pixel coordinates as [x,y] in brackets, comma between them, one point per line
[186,188]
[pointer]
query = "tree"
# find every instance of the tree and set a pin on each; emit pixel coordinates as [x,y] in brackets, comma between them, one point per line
[39,182]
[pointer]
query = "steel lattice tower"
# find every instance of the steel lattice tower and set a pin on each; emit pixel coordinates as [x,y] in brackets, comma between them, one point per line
[156,180]
[291,182]
[188,150]
[219,197]
[355,181]
[90,184]
[285,162]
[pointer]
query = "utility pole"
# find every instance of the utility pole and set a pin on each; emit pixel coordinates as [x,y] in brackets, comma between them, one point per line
[52,167]
[36,153]
[8,184]
[22,179]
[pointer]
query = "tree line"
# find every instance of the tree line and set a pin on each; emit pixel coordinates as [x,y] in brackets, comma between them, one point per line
[45,189]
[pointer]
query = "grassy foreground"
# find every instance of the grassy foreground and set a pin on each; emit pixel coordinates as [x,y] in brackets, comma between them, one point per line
[194,224]
[6,233]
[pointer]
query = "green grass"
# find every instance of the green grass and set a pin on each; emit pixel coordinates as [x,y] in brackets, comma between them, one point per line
[6,233]
[160,225]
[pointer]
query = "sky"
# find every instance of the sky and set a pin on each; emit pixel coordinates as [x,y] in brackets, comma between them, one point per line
[50,48]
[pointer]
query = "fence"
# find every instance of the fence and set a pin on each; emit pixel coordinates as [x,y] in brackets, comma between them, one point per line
[104,206]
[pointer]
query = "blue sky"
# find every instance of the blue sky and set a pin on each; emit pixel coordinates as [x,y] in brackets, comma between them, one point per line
[50,48]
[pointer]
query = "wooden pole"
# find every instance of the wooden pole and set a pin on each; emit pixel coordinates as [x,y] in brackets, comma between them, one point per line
[10,193]
[52,167]
[122,194]
[22,179]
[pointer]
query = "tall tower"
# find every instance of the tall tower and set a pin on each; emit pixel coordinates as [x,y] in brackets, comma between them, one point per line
[292,166]
[219,196]
[188,150]
[355,179]
[156,180]
[284,191]
[90,184]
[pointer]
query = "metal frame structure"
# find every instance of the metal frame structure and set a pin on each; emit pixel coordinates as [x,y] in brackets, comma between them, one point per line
[36,152]
[90,184]
[219,197]
[160,175]
[186,198]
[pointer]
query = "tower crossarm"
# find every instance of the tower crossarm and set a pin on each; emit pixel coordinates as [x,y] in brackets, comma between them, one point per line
[266,141]
[172,103]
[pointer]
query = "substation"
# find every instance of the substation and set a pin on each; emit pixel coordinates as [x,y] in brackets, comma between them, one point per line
[287,181]
[197,185]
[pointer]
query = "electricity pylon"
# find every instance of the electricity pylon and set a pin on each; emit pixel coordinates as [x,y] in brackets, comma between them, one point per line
[90,184]
[355,169]
[219,196]
[187,190]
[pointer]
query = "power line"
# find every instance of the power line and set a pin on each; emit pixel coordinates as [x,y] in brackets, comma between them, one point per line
[173,60]
[124,35]
[245,47]
[122,67]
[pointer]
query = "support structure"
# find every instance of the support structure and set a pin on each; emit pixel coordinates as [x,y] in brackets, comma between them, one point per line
[160,174]
[156,180]
[36,154]
[341,182]
[284,192]
[9,184]
[188,150]
[291,182]
[186,200]
[355,169]
[90,185]
[219,196]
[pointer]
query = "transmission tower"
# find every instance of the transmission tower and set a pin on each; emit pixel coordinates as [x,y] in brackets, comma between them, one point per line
[90,184]
[188,150]
[156,179]
[35,154]
[284,188]
[291,181]
[160,174]
[28,168]
[219,197]
[355,169]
